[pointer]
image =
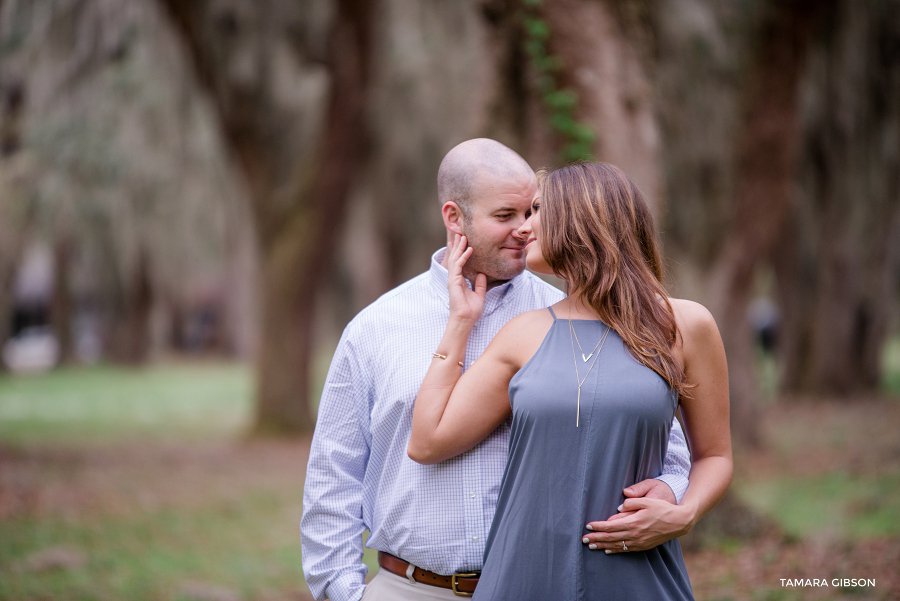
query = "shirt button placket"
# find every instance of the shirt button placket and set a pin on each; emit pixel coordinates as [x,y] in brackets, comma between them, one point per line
[473,519]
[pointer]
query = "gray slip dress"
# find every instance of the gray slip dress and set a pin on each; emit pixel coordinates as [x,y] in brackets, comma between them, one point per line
[559,477]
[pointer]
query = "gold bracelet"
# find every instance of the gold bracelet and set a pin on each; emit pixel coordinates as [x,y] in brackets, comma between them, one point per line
[440,356]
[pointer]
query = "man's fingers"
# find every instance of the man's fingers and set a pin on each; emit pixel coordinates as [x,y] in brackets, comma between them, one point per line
[643,487]
[635,504]
[652,488]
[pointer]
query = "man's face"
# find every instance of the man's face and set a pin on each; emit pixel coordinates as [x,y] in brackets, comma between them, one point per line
[499,207]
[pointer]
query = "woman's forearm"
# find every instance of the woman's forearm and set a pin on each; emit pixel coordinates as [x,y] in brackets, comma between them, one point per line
[709,480]
[434,394]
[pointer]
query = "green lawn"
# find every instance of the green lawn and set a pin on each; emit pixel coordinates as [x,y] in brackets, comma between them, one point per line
[833,507]
[141,484]
[110,404]
[890,367]
[247,547]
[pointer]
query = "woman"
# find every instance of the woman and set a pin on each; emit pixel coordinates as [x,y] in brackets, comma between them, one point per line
[592,383]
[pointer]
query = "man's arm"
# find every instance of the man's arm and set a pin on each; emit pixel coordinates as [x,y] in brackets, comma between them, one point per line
[677,465]
[655,523]
[332,526]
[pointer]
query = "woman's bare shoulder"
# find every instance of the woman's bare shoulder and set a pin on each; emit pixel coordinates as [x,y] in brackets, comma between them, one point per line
[695,322]
[532,318]
[522,334]
[527,324]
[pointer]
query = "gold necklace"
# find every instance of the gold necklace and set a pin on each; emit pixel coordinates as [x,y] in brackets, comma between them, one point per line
[578,379]
[578,342]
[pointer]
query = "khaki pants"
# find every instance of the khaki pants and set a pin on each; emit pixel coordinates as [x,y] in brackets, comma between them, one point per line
[390,587]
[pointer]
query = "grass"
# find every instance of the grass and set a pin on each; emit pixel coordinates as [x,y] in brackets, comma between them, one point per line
[834,506]
[152,555]
[109,404]
[141,481]
[890,367]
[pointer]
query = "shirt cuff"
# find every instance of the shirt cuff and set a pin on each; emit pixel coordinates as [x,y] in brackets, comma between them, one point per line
[678,484]
[348,587]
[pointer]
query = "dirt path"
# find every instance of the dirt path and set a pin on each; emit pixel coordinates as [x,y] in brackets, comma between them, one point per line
[144,477]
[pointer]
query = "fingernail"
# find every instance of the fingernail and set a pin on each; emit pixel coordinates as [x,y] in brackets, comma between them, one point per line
[589,527]
[607,551]
[585,540]
[620,507]
[592,546]
[629,491]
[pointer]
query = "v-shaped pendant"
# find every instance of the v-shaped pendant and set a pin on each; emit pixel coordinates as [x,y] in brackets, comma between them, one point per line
[585,359]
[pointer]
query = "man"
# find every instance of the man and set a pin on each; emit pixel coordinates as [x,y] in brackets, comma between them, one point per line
[430,522]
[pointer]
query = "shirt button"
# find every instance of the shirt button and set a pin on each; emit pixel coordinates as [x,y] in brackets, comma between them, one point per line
[472,494]
[475,538]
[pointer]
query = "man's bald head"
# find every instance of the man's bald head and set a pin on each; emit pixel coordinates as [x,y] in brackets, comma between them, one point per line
[473,162]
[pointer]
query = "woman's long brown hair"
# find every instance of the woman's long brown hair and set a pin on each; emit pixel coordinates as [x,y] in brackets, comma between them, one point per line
[598,234]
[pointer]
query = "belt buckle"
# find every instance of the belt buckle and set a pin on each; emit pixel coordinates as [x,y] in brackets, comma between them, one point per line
[453,583]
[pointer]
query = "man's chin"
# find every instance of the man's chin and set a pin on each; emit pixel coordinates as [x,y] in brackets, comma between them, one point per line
[506,275]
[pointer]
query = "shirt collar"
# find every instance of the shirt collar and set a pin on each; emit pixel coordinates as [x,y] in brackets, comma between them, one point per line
[495,298]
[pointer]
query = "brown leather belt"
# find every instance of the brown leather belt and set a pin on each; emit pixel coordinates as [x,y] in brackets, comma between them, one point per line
[461,584]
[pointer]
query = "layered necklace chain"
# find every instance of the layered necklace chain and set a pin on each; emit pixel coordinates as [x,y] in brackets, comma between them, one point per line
[573,338]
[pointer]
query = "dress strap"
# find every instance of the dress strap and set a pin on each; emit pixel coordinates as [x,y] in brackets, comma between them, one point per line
[552,313]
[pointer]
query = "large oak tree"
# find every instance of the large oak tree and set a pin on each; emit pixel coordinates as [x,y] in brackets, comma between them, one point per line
[289,80]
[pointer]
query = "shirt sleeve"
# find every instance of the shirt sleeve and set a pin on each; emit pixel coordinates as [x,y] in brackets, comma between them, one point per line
[332,524]
[677,466]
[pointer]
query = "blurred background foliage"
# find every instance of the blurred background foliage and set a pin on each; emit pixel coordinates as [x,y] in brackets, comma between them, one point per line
[195,198]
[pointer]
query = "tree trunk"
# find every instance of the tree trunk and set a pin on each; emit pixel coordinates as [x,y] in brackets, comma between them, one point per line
[700,54]
[130,335]
[430,87]
[768,144]
[14,212]
[242,289]
[62,310]
[9,260]
[299,149]
[837,265]
[600,47]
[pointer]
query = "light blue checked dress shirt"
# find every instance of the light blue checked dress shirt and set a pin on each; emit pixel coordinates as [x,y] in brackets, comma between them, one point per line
[359,476]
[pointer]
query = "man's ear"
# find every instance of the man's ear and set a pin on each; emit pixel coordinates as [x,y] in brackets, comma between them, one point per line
[453,217]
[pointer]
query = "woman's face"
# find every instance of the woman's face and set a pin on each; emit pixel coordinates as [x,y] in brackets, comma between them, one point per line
[531,231]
